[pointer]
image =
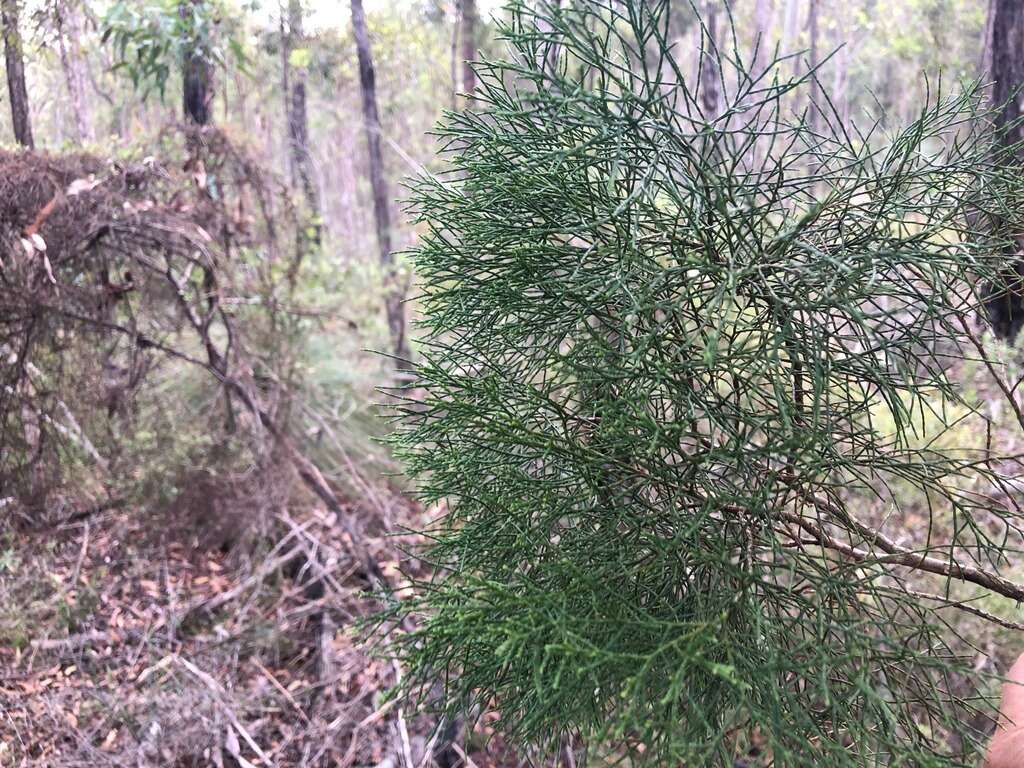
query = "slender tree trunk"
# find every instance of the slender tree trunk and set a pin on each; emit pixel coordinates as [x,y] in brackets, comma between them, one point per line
[840,86]
[371,120]
[69,43]
[298,119]
[550,61]
[467,10]
[790,30]
[286,82]
[1005,57]
[710,80]
[15,60]
[813,114]
[198,96]
[456,24]
[197,74]
[766,45]
[763,11]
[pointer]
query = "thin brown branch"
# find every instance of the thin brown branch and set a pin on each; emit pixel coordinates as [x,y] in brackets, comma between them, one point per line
[1004,387]
[901,556]
[962,605]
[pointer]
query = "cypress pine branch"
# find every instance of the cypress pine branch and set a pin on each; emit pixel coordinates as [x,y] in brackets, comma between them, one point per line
[668,357]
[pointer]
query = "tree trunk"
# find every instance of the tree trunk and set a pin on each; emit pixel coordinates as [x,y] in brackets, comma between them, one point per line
[763,11]
[456,23]
[710,79]
[16,89]
[286,80]
[985,60]
[197,73]
[297,118]
[69,43]
[790,24]
[813,113]
[371,120]
[840,87]
[550,60]
[467,10]
[1005,55]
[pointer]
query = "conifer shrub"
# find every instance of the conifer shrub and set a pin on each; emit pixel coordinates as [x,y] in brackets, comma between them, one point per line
[670,356]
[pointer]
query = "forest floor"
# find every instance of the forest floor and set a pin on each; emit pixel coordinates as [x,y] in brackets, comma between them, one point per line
[124,645]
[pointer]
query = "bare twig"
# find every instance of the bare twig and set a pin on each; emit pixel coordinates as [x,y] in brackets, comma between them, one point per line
[1004,387]
[218,693]
[403,730]
[906,557]
[281,689]
[465,758]
[210,604]
[963,605]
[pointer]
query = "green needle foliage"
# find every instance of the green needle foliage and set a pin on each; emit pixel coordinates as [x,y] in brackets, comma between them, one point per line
[668,356]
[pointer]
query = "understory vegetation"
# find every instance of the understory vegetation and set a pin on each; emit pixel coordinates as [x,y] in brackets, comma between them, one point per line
[156,359]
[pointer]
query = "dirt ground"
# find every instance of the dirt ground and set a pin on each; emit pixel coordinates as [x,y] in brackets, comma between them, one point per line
[125,644]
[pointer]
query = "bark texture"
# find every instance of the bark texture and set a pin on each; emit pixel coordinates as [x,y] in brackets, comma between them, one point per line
[197,74]
[710,77]
[297,118]
[763,11]
[1007,63]
[1005,55]
[467,11]
[378,184]
[15,60]
[813,111]
[72,62]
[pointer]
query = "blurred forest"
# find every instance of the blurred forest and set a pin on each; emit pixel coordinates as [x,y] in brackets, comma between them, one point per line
[204,296]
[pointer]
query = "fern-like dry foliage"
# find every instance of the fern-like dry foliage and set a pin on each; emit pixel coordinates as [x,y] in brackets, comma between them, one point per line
[670,358]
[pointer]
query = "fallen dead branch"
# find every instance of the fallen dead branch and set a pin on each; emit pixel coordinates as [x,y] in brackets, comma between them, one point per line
[76,642]
[218,692]
[209,605]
